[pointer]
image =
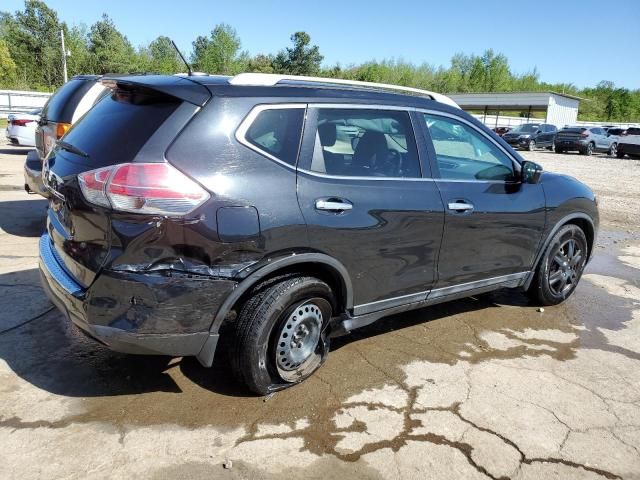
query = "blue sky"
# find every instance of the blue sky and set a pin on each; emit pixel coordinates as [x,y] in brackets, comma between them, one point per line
[581,42]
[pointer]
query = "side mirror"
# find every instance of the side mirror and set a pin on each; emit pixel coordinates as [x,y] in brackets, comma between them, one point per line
[531,172]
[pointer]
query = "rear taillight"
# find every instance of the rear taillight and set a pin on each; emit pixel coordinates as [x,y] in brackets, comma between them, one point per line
[20,122]
[61,129]
[152,188]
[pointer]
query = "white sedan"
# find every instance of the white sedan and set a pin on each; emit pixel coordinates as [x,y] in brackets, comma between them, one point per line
[21,127]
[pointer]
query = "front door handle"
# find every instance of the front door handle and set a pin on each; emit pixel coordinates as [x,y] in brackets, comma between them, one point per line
[460,206]
[333,205]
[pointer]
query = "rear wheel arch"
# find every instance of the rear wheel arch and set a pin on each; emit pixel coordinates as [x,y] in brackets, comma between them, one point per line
[316,265]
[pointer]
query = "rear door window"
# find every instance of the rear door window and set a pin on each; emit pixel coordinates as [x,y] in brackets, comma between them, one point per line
[365,143]
[276,132]
[463,153]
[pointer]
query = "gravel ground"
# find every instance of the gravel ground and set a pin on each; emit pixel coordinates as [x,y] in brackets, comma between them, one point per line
[615,182]
[486,387]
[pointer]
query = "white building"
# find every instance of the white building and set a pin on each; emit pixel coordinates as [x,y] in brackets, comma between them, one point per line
[559,109]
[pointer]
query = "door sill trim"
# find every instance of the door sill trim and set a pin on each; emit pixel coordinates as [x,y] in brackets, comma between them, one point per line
[511,280]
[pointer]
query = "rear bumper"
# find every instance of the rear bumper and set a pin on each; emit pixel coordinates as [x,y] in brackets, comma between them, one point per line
[630,148]
[33,175]
[570,144]
[116,311]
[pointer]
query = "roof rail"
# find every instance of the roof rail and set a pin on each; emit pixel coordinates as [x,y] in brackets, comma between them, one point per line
[271,79]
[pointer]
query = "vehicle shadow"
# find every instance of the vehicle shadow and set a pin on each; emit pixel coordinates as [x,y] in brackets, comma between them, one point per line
[15,150]
[24,218]
[50,353]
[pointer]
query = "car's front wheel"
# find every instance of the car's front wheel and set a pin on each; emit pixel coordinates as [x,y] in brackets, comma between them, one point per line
[560,267]
[531,145]
[280,335]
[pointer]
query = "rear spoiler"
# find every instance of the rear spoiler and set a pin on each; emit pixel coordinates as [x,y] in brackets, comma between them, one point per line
[178,87]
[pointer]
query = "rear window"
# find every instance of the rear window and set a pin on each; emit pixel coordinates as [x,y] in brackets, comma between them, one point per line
[119,125]
[62,104]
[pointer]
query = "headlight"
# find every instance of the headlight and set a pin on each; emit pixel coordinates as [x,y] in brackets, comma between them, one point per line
[524,136]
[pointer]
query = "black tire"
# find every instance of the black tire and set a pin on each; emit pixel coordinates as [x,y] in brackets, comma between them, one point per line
[531,146]
[262,323]
[588,150]
[559,270]
[619,154]
[559,150]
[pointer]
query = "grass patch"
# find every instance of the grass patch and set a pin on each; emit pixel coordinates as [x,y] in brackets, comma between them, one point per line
[3,123]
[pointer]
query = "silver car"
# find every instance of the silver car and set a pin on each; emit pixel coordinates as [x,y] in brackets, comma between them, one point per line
[586,140]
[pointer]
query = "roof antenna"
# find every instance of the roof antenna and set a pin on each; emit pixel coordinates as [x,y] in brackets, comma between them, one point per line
[182,57]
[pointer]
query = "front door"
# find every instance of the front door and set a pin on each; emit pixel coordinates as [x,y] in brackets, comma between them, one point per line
[493,223]
[366,203]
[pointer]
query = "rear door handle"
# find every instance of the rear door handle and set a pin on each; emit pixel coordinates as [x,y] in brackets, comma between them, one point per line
[333,205]
[460,206]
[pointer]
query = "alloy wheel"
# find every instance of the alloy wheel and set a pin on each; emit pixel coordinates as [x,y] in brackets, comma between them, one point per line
[566,267]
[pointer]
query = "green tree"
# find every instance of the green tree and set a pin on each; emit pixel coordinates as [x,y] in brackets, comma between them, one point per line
[219,53]
[7,67]
[164,57]
[112,51]
[33,40]
[301,59]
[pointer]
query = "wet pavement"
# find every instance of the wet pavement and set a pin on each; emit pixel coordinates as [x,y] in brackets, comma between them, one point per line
[482,387]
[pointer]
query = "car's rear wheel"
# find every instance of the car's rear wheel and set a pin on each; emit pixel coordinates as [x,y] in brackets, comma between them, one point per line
[280,335]
[560,267]
[531,146]
[588,150]
[613,149]
[619,154]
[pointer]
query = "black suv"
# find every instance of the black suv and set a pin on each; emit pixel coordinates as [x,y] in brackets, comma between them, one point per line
[276,212]
[531,136]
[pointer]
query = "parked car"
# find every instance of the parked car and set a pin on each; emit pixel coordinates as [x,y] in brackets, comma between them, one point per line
[21,127]
[212,207]
[629,143]
[586,140]
[500,131]
[531,136]
[65,107]
[615,131]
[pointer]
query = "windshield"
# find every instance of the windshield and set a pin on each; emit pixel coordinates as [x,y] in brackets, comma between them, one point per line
[526,128]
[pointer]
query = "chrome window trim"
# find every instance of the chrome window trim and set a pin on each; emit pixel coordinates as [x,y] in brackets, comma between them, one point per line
[437,293]
[245,124]
[378,179]
[361,106]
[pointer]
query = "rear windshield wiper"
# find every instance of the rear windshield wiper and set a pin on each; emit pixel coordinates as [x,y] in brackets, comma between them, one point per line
[72,148]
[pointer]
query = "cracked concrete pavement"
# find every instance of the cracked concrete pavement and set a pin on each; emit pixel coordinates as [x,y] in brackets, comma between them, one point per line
[477,388]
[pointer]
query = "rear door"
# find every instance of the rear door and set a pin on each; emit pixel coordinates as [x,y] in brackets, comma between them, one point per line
[493,223]
[367,203]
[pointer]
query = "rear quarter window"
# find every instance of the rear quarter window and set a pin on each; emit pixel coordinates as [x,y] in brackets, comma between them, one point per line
[276,132]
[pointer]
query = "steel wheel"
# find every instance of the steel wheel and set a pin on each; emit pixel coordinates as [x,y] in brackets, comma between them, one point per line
[299,344]
[566,267]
